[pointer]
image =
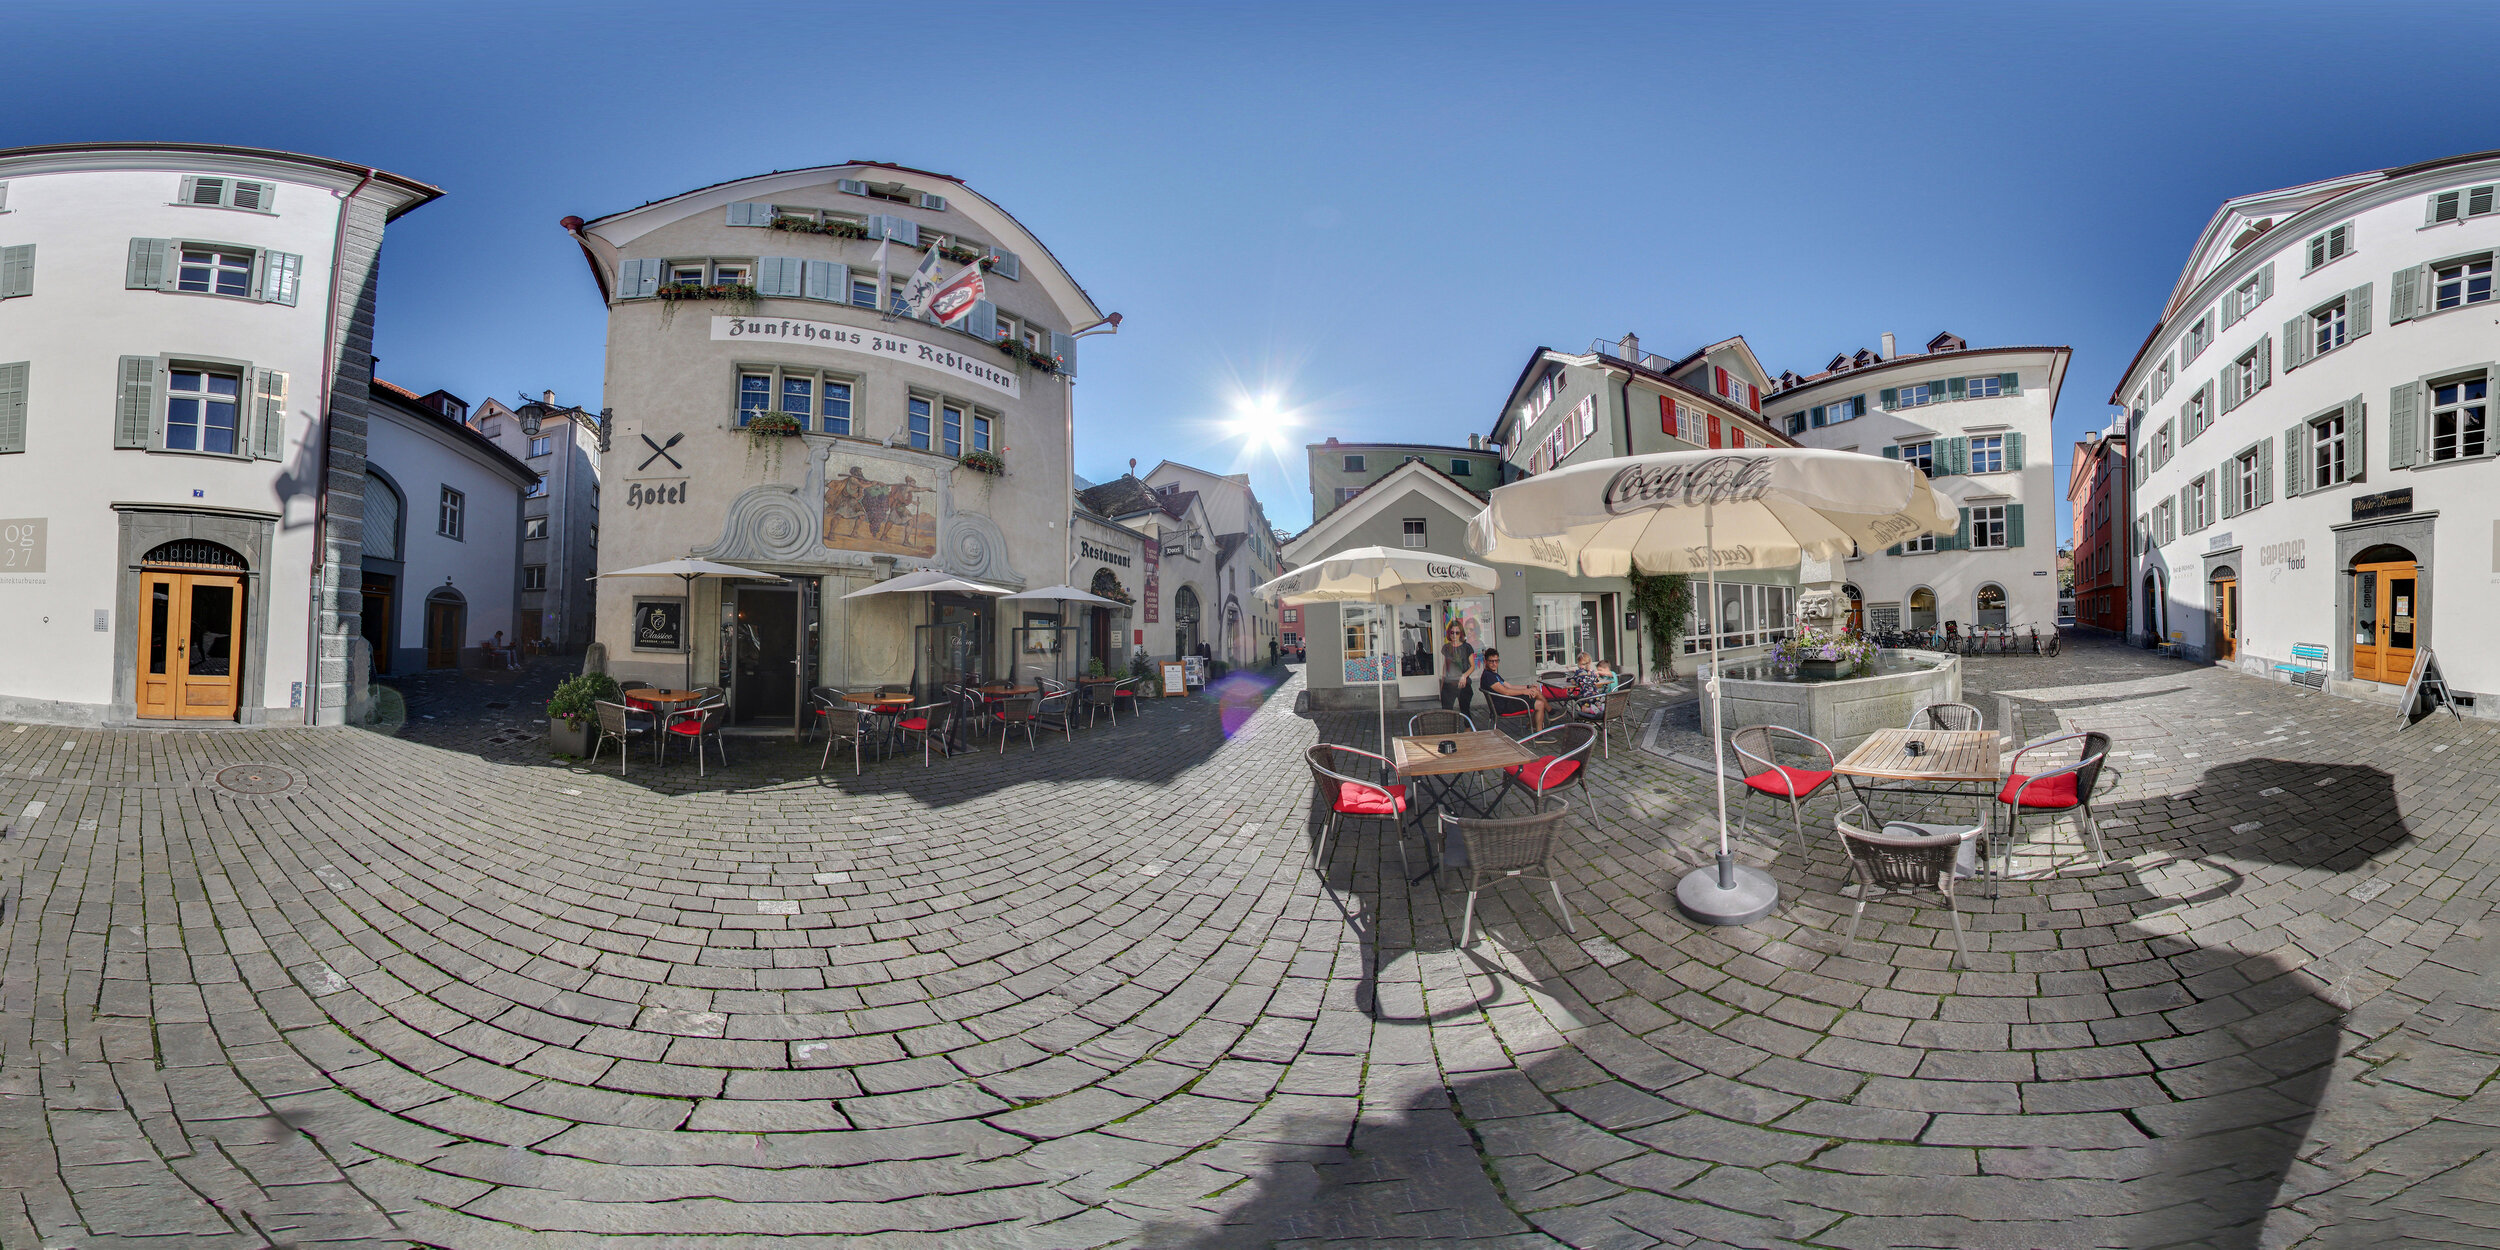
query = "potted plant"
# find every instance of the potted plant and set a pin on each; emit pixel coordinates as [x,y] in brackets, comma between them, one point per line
[1094,668]
[1823,654]
[765,432]
[574,711]
[983,462]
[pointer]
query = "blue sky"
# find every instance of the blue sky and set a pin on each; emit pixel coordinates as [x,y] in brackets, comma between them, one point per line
[1373,213]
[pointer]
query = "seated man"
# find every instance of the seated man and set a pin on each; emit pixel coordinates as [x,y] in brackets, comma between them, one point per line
[1491,682]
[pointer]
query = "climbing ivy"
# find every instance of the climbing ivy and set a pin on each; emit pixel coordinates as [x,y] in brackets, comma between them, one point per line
[1665,602]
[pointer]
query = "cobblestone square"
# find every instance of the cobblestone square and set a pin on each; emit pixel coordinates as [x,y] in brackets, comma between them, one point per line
[342,988]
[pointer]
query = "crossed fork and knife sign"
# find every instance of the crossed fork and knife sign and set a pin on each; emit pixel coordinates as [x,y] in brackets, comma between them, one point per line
[660,451]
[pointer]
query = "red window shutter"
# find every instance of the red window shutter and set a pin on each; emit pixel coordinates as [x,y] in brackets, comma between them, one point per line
[1666,416]
[1737,437]
[1714,429]
[1753,396]
[1719,376]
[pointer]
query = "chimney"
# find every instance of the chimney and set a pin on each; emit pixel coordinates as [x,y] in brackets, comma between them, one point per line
[1887,344]
[1631,346]
[1332,440]
[549,396]
[1475,442]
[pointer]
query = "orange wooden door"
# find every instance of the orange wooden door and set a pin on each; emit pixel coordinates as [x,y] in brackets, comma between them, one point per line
[190,646]
[2385,599]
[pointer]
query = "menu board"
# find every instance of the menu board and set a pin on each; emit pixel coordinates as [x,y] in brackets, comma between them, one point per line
[1197,669]
[659,624]
[1175,679]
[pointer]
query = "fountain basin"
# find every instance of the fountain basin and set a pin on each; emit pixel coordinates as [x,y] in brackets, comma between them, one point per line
[1842,710]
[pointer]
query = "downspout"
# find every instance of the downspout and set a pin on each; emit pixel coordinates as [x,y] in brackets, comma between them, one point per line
[321,489]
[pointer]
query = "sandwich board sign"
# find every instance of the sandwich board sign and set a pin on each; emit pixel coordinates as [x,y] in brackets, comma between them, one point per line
[2426,683]
[1175,679]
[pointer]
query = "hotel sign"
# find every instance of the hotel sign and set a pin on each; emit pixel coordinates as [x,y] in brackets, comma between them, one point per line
[982,368]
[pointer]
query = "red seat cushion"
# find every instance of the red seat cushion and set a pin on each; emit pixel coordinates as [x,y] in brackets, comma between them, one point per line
[1544,772]
[2055,793]
[1362,800]
[1557,692]
[1788,782]
[915,723]
[690,728]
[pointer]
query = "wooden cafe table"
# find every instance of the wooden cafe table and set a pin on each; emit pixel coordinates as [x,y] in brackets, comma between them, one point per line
[1966,763]
[1419,758]
[663,705]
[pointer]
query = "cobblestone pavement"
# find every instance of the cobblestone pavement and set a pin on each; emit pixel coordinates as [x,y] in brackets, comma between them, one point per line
[336,988]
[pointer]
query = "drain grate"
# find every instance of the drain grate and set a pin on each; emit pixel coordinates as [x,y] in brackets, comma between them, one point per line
[255,779]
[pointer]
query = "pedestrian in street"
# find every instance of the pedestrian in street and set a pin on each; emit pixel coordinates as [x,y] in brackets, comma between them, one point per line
[1458,671]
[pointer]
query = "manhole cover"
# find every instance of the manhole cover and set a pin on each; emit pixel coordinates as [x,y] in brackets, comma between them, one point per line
[255,779]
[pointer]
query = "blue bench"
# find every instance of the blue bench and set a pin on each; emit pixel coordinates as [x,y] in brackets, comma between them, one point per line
[2309,666]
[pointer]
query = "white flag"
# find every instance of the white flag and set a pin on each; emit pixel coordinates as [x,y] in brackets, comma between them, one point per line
[922,283]
[884,248]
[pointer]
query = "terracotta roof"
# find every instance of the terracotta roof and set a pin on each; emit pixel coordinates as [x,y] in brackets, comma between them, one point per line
[402,397]
[1126,496]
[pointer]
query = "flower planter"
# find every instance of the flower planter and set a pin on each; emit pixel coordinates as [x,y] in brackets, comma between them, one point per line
[566,738]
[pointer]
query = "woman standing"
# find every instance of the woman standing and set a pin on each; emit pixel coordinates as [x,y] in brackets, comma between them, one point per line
[1458,670]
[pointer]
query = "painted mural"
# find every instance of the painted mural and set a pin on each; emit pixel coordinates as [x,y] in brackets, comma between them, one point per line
[887,514]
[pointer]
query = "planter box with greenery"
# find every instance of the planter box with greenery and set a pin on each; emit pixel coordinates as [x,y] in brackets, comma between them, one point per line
[1021,354]
[983,462]
[736,291]
[838,229]
[574,712]
[773,425]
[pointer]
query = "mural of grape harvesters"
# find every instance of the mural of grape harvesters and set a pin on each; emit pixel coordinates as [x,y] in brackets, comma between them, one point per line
[890,517]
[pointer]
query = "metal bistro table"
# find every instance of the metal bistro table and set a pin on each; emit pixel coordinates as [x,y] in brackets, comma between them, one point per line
[1957,763]
[664,705]
[887,707]
[1418,760]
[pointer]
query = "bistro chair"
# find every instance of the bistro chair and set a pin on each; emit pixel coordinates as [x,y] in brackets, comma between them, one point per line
[818,700]
[2065,789]
[1757,754]
[1363,800]
[1056,709]
[932,723]
[1505,847]
[1017,712]
[1903,859]
[1946,717]
[1618,704]
[697,725]
[1440,721]
[846,723]
[1511,713]
[1564,762]
[623,724]
[1128,691]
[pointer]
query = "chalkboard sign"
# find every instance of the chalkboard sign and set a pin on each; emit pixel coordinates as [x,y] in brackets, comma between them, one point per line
[2427,683]
[659,624]
[1175,679]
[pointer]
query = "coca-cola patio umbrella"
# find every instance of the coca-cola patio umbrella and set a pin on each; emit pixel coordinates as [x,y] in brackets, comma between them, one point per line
[1392,577]
[1699,512]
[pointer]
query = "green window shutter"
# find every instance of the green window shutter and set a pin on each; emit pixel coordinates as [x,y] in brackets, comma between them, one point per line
[1889,397]
[1961,533]
[1892,453]
[2013,449]
[777,277]
[1953,388]
[2010,383]
[2356,437]
[2295,342]
[2265,364]
[637,279]
[2265,282]
[828,281]
[2357,311]
[2013,525]
[2402,434]
[1814,417]
[2230,488]
[1961,456]
[2401,286]
[269,437]
[982,322]
[2230,308]
[2295,458]
[190,187]
[151,265]
[17,270]
[1063,352]
[134,405]
[750,213]
[850,186]
[13,407]
[281,274]
[1006,264]
[2265,471]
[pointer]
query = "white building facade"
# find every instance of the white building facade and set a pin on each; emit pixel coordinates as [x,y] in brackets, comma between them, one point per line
[185,356]
[560,522]
[2311,433]
[1978,421]
[442,534]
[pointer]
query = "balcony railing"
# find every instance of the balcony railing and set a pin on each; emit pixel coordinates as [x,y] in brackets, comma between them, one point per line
[1613,350]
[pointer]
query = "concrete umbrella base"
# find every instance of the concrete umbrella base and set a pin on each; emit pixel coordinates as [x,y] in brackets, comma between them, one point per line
[1727,894]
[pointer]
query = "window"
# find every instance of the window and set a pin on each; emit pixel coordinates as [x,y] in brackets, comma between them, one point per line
[541,446]
[2457,283]
[2195,414]
[916,422]
[2332,245]
[2199,508]
[798,392]
[594,537]
[981,431]
[954,429]
[1991,386]
[2249,294]
[2326,451]
[534,527]
[708,273]
[1555,616]
[1414,531]
[2249,478]
[1347,493]
[863,292]
[1987,454]
[798,397]
[2161,445]
[1462,468]
[533,577]
[1354,464]
[202,411]
[2326,328]
[448,522]
[200,192]
[2460,204]
[1921,454]
[2161,380]
[2200,335]
[729,275]
[1920,545]
[1987,526]
[535,490]
[1004,328]
[1918,396]
[594,496]
[214,271]
[2458,429]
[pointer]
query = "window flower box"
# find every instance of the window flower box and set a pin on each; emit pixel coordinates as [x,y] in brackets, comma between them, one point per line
[741,292]
[837,229]
[774,425]
[1021,354]
[983,462]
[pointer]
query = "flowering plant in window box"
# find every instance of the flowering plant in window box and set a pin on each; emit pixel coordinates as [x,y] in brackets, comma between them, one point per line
[723,290]
[1824,651]
[837,228]
[1021,354]
[962,255]
[983,462]
[774,425]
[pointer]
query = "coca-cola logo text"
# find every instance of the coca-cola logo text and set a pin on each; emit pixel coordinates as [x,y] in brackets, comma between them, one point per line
[1720,479]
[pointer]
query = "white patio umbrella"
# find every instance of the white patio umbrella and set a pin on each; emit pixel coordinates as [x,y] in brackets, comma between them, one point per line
[931,581]
[1063,596]
[1389,576]
[1699,512]
[688,570]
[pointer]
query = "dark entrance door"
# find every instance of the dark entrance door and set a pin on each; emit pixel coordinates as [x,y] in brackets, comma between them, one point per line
[1098,642]
[764,672]
[377,620]
[446,625]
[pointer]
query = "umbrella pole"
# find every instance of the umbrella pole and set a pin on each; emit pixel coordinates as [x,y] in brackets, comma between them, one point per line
[1730,894]
[689,579]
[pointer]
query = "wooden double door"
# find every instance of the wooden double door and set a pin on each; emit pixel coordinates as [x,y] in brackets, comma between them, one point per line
[190,645]
[2385,601]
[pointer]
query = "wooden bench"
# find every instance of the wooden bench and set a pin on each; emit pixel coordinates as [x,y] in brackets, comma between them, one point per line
[2309,665]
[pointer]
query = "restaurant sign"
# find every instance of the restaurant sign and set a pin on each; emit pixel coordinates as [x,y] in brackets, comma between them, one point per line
[980,368]
[1091,552]
[1154,585]
[659,624]
[2384,503]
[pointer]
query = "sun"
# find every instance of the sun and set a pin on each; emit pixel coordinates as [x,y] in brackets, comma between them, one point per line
[1260,421]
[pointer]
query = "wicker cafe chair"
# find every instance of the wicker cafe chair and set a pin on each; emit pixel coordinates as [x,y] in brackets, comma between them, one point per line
[1946,717]
[1511,713]
[1349,796]
[1564,761]
[1057,709]
[1903,859]
[818,700]
[1128,691]
[1618,705]
[623,724]
[844,722]
[1018,711]
[2066,789]
[700,724]
[1513,846]
[932,723]
[1439,721]
[1757,754]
